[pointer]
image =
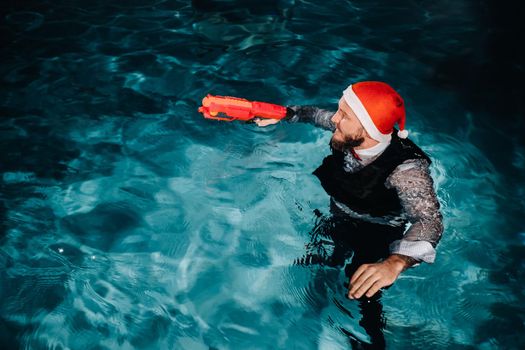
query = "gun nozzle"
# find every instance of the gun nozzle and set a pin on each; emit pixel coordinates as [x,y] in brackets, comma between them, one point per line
[206,101]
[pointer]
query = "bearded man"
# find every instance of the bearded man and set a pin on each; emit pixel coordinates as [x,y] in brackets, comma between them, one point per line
[380,186]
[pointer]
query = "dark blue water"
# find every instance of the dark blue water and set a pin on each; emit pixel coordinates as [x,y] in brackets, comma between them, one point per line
[130,222]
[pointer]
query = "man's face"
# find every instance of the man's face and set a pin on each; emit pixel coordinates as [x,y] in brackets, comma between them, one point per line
[349,132]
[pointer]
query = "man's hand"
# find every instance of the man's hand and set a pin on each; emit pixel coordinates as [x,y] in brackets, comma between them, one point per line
[369,278]
[265,121]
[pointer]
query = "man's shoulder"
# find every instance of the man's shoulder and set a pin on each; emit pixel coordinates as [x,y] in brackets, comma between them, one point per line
[408,173]
[414,163]
[407,149]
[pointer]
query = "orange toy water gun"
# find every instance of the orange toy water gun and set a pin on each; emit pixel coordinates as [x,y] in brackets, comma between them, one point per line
[233,108]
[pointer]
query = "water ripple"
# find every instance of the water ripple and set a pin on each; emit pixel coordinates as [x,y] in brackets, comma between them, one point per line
[129,221]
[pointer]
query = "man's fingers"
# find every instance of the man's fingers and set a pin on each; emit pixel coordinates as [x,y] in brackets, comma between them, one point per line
[358,273]
[364,287]
[375,287]
[259,121]
[265,121]
[369,278]
[361,280]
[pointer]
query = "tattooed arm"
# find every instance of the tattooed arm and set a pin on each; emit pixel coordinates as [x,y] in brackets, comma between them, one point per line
[313,115]
[414,186]
[415,189]
[305,114]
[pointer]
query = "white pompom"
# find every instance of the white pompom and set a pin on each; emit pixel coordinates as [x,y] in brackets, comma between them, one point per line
[402,134]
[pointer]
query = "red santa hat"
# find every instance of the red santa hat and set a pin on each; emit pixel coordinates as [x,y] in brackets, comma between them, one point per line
[378,107]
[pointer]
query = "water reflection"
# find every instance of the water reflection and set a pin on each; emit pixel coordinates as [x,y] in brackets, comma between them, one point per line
[339,240]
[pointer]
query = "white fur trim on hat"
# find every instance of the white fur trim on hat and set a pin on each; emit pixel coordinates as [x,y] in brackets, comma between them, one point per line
[362,114]
[403,134]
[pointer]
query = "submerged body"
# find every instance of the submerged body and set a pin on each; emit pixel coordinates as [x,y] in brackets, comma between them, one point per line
[375,193]
[411,181]
[376,175]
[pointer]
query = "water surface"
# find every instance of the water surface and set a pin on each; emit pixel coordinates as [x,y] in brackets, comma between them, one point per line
[130,222]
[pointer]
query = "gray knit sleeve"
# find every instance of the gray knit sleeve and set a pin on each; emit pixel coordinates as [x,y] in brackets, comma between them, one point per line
[414,186]
[313,115]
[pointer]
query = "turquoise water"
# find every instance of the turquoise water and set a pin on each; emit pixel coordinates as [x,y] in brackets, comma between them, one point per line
[128,221]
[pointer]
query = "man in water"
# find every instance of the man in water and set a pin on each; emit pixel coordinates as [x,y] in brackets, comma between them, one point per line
[379,181]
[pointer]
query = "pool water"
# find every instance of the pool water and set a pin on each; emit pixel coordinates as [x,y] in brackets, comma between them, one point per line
[128,221]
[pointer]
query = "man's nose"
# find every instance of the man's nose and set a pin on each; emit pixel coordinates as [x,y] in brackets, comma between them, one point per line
[335,118]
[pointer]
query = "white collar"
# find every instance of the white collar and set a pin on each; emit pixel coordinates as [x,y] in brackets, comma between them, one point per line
[373,151]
